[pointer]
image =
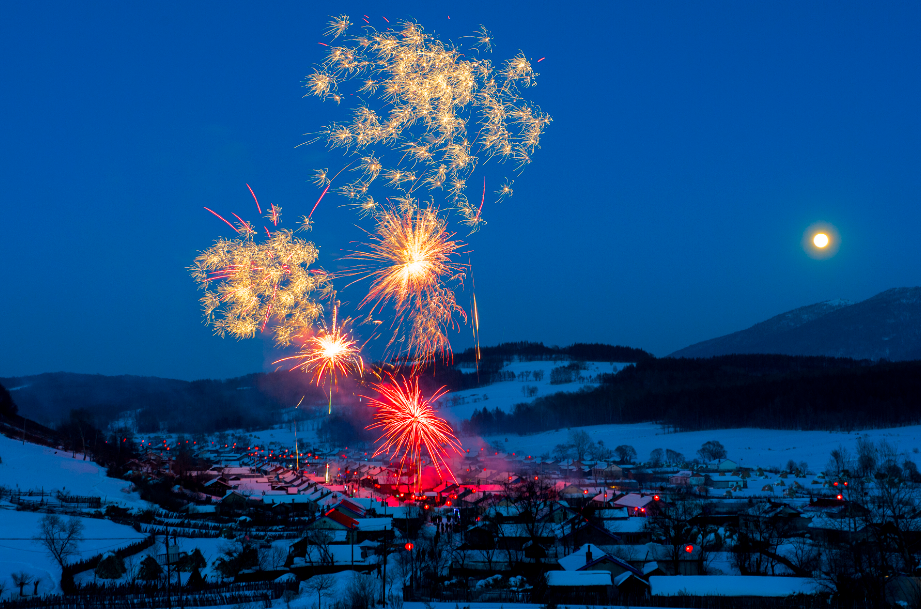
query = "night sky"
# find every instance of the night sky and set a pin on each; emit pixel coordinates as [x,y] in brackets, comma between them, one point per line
[692,144]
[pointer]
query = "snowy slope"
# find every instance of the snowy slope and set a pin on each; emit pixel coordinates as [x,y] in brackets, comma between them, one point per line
[19,552]
[457,406]
[748,447]
[504,395]
[33,467]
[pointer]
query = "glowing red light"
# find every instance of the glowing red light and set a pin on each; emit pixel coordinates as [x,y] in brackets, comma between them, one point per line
[689,548]
[840,497]
[409,547]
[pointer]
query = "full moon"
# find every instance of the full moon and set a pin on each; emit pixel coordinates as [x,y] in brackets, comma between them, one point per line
[820,240]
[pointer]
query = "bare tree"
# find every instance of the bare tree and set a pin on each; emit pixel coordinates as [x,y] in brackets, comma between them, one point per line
[673,528]
[61,538]
[318,551]
[712,450]
[625,453]
[873,537]
[673,457]
[838,463]
[320,584]
[581,442]
[360,592]
[21,579]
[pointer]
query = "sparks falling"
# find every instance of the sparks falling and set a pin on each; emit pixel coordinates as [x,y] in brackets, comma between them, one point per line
[328,354]
[439,111]
[411,426]
[411,263]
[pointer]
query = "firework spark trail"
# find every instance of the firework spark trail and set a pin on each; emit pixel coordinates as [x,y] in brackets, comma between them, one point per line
[410,425]
[411,263]
[222,218]
[329,183]
[254,198]
[331,352]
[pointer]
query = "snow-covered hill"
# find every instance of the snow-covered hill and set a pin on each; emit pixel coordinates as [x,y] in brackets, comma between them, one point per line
[505,394]
[19,552]
[30,467]
[748,447]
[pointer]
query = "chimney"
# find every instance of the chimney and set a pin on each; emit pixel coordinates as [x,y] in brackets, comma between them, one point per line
[588,556]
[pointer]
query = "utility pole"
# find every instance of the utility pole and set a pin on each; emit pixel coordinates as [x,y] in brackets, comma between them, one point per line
[384,580]
[169,577]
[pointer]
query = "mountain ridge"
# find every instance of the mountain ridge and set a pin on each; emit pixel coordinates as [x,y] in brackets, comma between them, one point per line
[884,326]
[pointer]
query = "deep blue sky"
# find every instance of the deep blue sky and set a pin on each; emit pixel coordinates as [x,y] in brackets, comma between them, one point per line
[692,144]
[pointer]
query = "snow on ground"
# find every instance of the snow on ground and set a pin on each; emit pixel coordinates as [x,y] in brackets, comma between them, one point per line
[504,395]
[458,406]
[748,447]
[33,467]
[732,585]
[306,435]
[19,552]
[211,549]
[455,605]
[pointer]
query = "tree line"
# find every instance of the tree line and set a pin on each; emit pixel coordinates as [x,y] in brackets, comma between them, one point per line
[767,391]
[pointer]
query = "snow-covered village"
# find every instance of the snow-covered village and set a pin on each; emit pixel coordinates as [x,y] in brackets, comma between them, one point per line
[328,305]
[630,514]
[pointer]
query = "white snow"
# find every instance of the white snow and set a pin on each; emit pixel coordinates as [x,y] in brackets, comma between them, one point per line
[32,467]
[730,585]
[747,446]
[578,578]
[19,552]
[504,395]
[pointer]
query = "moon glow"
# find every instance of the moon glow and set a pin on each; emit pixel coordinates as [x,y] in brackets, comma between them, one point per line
[821,240]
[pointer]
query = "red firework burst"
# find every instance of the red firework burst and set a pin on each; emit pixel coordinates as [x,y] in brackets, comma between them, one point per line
[410,425]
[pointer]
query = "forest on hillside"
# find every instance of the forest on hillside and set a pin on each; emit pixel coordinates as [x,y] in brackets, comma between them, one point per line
[766,391]
[256,401]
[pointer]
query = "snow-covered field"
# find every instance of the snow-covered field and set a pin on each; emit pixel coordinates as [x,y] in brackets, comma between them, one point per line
[459,406]
[19,552]
[748,447]
[33,467]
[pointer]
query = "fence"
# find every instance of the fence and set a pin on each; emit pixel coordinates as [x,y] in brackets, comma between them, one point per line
[77,501]
[135,596]
[90,563]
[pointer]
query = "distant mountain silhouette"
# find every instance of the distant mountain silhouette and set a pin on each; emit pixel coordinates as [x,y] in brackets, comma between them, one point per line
[886,326]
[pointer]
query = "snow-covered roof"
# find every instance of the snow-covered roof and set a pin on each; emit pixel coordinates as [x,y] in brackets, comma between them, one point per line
[634,500]
[625,525]
[627,575]
[578,578]
[577,560]
[375,524]
[730,585]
